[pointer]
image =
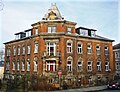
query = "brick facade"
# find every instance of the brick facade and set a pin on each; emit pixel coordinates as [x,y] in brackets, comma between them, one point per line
[52,59]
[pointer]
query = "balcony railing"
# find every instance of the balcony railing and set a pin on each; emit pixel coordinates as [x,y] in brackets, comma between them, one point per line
[52,54]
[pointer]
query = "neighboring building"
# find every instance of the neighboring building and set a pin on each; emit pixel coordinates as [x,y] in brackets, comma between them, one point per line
[1,64]
[55,46]
[116,51]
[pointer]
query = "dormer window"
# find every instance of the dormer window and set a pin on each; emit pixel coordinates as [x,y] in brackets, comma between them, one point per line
[28,33]
[51,29]
[17,36]
[93,33]
[69,30]
[83,32]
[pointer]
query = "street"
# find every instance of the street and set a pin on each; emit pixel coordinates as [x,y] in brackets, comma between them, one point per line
[108,90]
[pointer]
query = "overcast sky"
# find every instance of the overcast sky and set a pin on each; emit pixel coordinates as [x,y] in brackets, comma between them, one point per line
[102,15]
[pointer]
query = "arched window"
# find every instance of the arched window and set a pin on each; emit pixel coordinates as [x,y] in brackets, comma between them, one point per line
[35,64]
[80,65]
[69,46]
[69,63]
[106,66]
[14,50]
[79,48]
[23,64]
[13,65]
[98,65]
[18,64]
[28,64]
[36,47]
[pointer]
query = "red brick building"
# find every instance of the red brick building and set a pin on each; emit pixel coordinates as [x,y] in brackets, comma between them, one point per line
[55,45]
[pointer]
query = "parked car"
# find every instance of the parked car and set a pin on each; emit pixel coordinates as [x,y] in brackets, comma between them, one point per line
[114,85]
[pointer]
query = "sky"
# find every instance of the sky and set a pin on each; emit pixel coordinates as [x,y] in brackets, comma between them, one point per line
[102,15]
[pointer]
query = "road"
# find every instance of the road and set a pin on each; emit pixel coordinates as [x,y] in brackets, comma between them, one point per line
[108,90]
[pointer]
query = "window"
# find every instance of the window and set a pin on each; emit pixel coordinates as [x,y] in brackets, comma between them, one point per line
[51,65]
[89,48]
[69,47]
[7,65]
[18,65]
[13,64]
[36,31]
[106,50]
[69,65]
[8,52]
[79,65]
[28,47]
[98,66]
[28,64]
[51,49]
[98,50]
[18,50]
[106,66]
[117,54]
[28,33]
[69,30]
[23,49]
[51,29]
[14,50]
[35,64]
[89,66]
[83,32]
[79,48]
[93,33]
[36,48]
[23,64]
[117,65]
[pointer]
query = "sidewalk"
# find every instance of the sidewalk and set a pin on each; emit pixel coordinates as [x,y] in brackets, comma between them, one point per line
[87,89]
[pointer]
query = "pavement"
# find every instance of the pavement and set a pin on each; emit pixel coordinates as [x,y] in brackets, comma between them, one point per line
[87,89]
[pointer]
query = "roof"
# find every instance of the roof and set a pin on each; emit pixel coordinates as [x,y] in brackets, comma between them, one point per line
[117,46]
[103,38]
[85,28]
[53,13]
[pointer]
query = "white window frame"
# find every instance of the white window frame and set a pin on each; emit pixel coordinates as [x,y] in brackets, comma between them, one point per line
[49,46]
[117,66]
[18,50]
[28,65]
[106,50]
[14,50]
[51,29]
[98,50]
[79,50]
[107,66]
[89,66]
[8,51]
[89,48]
[36,47]
[28,33]
[18,65]
[69,47]
[48,64]
[13,65]
[36,31]
[69,66]
[7,65]
[83,32]
[23,65]
[28,49]
[80,66]
[98,66]
[69,29]
[23,49]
